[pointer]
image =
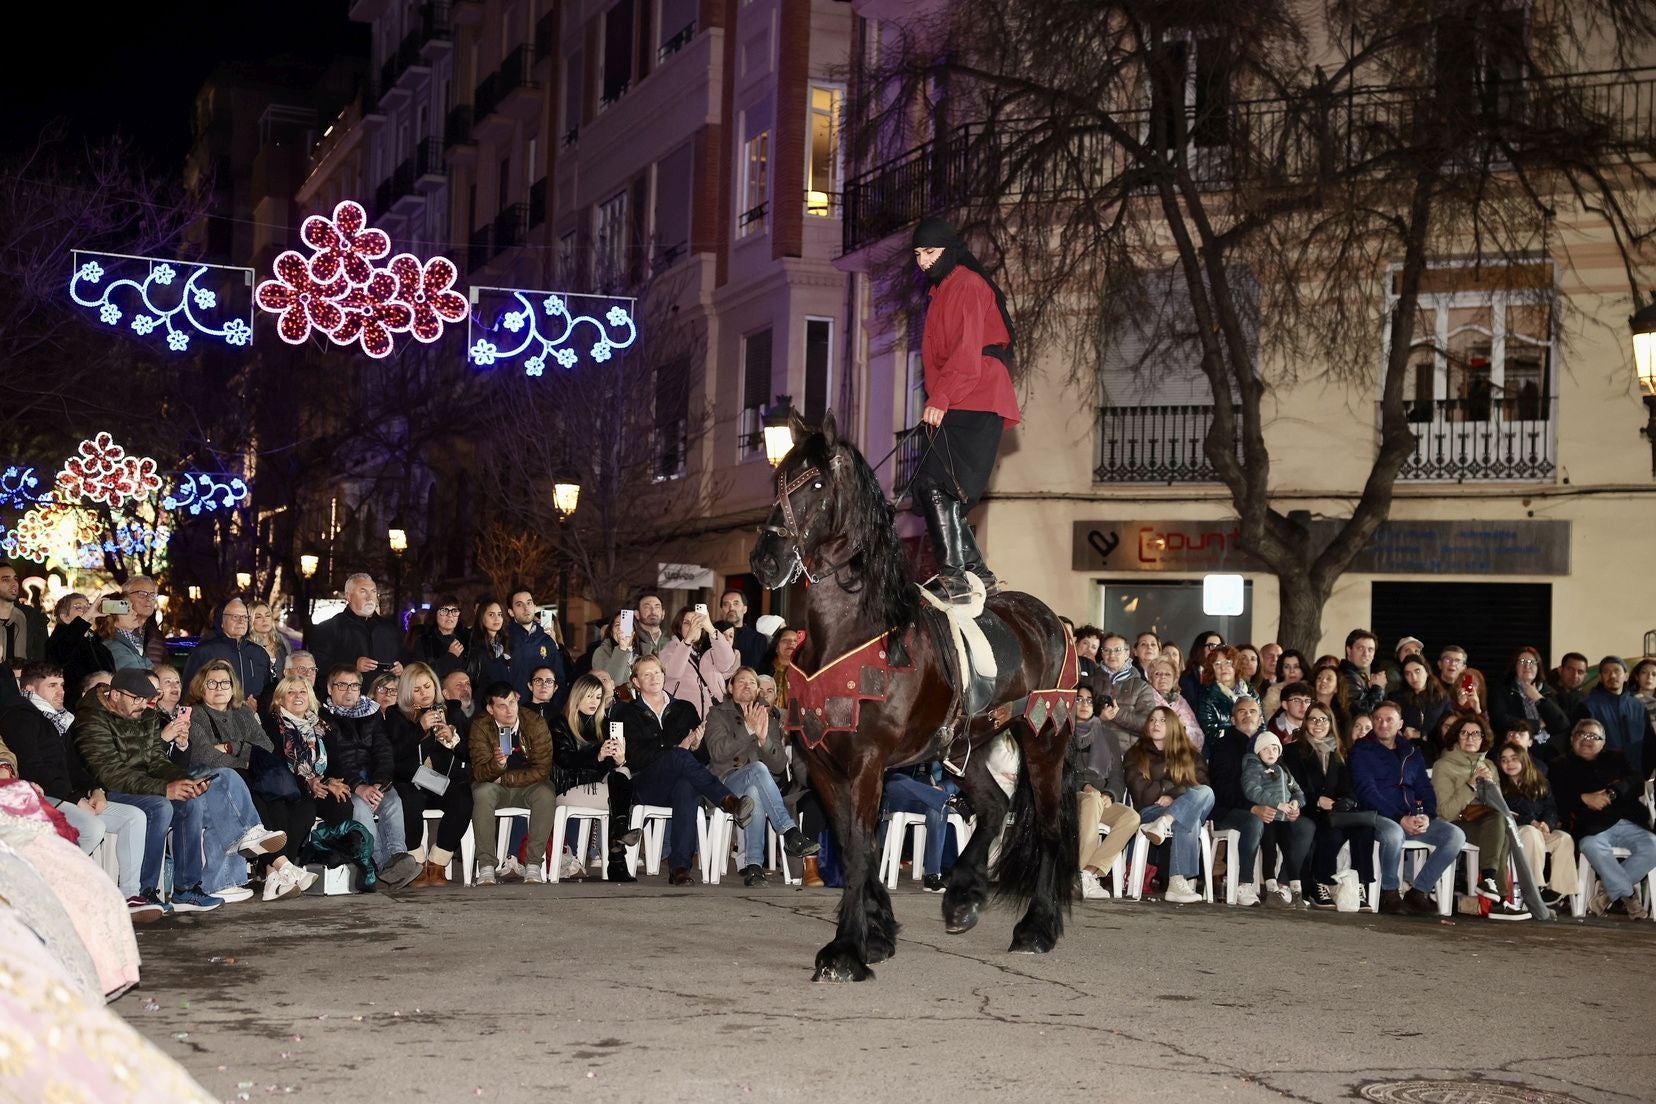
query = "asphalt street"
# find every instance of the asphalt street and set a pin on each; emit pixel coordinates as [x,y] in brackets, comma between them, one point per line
[642,993]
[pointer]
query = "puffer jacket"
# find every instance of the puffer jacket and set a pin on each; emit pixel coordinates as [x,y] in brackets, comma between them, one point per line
[359,750]
[1152,783]
[730,746]
[1273,785]
[125,756]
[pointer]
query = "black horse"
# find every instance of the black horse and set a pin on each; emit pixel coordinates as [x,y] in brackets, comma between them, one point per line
[832,523]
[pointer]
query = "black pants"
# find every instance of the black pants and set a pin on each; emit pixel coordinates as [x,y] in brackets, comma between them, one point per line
[293,815]
[960,456]
[456,804]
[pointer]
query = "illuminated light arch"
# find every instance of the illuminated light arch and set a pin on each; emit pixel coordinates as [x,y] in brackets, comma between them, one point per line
[201,493]
[174,301]
[537,329]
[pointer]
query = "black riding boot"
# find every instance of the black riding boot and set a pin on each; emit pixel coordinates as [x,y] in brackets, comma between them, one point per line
[974,558]
[946,523]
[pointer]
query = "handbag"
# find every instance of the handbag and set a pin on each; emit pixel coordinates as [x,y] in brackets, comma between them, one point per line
[270,775]
[432,781]
[1476,811]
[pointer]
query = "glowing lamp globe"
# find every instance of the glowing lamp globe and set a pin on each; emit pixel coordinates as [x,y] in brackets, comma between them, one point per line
[566,495]
[1644,347]
[308,565]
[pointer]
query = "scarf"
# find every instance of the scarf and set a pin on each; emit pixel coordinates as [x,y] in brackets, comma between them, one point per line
[1324,746]
[132,637]
[365,707]
[1531,714]
[935,233]
[61,718]
[309,728]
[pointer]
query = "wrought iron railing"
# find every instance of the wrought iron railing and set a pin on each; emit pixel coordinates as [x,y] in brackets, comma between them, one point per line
[537,202]
[1261,142]
[428,158]
[824,204]
[511,226]
[457,127]
[677,42]
[1154,444]
[752,220]
[1483,438]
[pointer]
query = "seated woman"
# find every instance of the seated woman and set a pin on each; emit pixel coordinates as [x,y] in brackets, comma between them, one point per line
[1191,682]
[1101,790]
[1220,689]
[1317,760]
[1167,777]
[1163,676]
[1536,814]
[1291,668]
[660,734]
[1455,779]
[1523,695]
[1247,666]
[422,734]
[1329,689]
[225,735]
[296,726]
[440,643]
[697,661]
[585,776]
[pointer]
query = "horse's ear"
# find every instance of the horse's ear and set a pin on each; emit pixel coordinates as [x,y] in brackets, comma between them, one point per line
[798,426]
[830,428]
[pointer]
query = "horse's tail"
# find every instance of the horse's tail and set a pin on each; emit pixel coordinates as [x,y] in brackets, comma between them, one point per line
[1040,859]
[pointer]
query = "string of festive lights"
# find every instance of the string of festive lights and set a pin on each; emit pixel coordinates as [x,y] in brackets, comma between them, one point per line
[20,487]
[536,328]
[102,473]
[340,291]
[159,298]
[201,493]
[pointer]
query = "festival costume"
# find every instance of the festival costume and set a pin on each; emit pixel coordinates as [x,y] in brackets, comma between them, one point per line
[964,351]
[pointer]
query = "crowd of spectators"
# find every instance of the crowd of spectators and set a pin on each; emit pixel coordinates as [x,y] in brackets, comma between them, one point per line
[377,750]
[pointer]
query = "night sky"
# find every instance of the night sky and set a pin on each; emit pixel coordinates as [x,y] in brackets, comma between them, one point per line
[135,69]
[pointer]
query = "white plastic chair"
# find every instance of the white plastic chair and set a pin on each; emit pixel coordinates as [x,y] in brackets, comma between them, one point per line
[898,826]
[503,830]
[1590,880]
[1118,867]
[1141,860]
[467,847]
[586,815]
[1232,839]
[653,821]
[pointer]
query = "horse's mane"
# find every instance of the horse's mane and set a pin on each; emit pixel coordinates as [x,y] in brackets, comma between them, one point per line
[888,596]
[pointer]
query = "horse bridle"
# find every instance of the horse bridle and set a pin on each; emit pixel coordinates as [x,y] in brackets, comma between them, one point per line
[796,534]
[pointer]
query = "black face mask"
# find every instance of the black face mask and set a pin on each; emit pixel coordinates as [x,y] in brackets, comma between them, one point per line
[941,267]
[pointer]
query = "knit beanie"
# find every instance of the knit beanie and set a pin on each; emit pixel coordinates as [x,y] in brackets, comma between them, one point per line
[1266,739]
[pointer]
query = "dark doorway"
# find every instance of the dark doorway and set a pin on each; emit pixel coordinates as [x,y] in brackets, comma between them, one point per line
[1489,620]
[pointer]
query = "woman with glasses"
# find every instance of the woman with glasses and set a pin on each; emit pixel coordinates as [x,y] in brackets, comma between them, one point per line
[440,643]
[1525,696]
[223,735]
[1221,686]
[1317,760]
[1457,775]
[1163,676]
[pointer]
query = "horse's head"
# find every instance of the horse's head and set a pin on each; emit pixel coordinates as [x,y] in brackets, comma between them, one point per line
[804,519]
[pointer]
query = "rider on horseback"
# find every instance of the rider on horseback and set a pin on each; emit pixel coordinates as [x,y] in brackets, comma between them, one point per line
[969,400]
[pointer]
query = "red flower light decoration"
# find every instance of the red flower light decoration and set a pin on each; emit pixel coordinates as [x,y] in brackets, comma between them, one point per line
[340,292]
[425,291]
[300,299]
[344,243]
[102,473]
[371,316]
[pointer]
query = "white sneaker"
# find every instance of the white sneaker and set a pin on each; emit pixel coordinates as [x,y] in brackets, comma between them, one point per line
[1158,830]
[570,867]
[1247,895]
[282,883]
[231,894]
[1091,888]
[257,841]
[1181,892]
[535,874]
[302,877]
[510,871]
[485,876]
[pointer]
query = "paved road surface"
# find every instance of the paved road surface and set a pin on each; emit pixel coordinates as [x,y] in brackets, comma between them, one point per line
[531,993]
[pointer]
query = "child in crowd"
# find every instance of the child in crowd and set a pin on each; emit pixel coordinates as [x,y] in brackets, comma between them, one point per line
[1266,782]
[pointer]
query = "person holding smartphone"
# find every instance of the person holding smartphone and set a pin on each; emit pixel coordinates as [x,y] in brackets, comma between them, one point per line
[1456,777]
[589,751]
[697,660]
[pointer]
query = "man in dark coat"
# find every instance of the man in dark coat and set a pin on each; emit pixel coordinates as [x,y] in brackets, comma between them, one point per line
[357,635]
[751,644]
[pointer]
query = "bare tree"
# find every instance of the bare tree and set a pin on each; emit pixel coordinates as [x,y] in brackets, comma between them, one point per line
[1306,172]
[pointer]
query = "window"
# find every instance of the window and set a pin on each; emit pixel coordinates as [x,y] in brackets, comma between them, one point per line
[618,51]
[611,244]
[755,185]
[1481,386]
[819,343]
[822,170]
[567,261]
[756,386]
[1190,93]
[672,206]
[574,98]
[678,26]
[672,419]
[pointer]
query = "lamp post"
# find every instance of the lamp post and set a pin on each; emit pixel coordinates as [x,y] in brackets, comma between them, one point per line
[307,570]
[244,580]
[566,496]
[1643,324]
[399,545]
[778,430]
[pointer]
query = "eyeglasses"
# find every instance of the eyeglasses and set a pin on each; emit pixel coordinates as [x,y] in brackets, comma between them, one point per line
[543,682]
[1527,663]
[345,686]
[307,672]
[1316,718]
[1301,698]
[1591,737]
[237,618]
[448,609]
[142,593]
[157,697]
[218,684]
[1115,651]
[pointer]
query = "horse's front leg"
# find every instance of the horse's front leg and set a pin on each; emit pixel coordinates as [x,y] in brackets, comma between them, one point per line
[968,892]
[1054,822]
[854,804]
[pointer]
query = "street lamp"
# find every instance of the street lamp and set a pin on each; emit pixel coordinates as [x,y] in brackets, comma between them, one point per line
[243,580]
[566,494]
[1643,324]
[308,565]
[307,571]
[778,430]
[399,545]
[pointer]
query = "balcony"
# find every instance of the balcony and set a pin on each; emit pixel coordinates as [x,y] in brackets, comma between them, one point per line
[428,162]
[435,33]
[457,134]
[546,29]
[1260,143]
[505,97]
[537,202]
[1154,444]
[1483,439]
[678,42]
[511,227]
[479,249]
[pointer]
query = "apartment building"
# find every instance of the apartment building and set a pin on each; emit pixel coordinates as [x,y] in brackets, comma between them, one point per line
[1525,513]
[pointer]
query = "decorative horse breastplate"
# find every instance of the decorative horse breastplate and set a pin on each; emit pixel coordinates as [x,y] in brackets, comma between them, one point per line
[831,700]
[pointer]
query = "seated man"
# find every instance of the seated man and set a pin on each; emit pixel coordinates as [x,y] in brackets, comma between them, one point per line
[360,754]
[746,752]
[1389,774]
[1296,699]
[1232,811]
[457,691]
[511,758]
[125,745]
[1101,790]
[918,789]
[1598,800]
[37,728]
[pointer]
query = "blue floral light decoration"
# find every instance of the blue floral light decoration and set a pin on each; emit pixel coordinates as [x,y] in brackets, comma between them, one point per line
[20,487]
[536,329]
[177,300]
[200,493]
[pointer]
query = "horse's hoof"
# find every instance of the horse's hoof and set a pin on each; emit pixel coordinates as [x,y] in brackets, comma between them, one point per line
[961,916]
[839,963]
[1034,942]
[879,950]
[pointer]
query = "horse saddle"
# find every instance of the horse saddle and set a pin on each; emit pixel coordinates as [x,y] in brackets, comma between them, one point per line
[978,650]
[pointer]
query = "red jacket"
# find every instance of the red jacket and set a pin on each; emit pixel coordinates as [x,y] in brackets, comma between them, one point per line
[961,321]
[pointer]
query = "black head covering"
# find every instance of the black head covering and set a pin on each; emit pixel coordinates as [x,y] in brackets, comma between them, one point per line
[936,233]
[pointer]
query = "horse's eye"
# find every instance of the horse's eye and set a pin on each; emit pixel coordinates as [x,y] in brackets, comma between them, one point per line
[816,486]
